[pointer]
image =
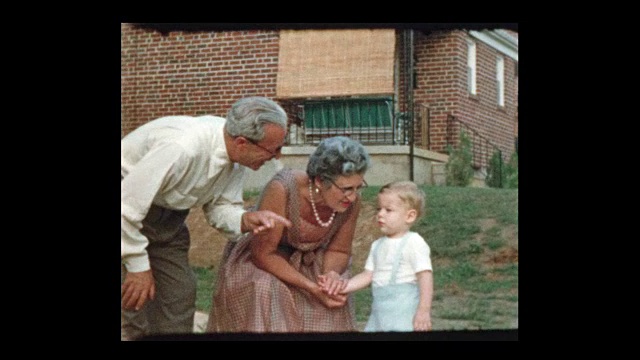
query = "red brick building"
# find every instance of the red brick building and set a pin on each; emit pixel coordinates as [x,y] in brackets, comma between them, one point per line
[358,82]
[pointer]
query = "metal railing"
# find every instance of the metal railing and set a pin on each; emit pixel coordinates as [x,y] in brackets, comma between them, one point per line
[368,121]
[481,149]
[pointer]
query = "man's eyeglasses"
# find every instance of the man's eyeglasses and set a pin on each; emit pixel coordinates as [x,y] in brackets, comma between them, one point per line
[273,153]
[350,190]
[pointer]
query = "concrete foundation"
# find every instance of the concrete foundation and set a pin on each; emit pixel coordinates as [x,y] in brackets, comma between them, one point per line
[388,163]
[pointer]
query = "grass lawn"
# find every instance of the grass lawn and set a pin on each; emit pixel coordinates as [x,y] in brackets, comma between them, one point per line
[473,236]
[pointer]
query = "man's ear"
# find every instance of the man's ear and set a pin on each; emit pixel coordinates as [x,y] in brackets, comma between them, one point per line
[240,140]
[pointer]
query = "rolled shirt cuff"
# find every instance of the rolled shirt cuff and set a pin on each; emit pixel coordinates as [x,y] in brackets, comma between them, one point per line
[137,263]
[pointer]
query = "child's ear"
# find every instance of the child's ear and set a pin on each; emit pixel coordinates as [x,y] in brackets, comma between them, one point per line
[411,216]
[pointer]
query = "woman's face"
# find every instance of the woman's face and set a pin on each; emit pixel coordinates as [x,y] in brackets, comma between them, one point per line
[343,191]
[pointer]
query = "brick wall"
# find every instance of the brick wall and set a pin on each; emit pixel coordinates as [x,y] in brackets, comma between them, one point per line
[439,63]
[195,73]
[192,73]
[492,121]
[441,79]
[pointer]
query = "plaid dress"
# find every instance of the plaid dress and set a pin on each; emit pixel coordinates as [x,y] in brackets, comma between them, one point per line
[247,299]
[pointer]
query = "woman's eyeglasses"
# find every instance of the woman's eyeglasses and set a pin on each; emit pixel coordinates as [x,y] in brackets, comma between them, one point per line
[350,190]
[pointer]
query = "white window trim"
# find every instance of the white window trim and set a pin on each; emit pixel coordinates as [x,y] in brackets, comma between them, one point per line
[499,40]
[500,79]
[472,73]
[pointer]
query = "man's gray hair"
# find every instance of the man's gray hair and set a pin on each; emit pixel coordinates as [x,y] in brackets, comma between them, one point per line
[338,156]
[248,116]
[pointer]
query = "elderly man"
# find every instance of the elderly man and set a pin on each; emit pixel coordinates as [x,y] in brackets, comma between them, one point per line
[173,164]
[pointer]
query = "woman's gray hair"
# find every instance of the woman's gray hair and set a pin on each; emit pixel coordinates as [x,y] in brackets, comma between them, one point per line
[338,156]
[248,116]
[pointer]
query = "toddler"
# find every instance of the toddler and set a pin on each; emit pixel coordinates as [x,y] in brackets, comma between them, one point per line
[398,266]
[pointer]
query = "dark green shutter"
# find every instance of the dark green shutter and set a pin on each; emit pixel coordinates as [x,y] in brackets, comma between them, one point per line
[348,114]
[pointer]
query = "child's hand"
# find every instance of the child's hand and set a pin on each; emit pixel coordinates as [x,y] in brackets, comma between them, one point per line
[422,321]
[331,283]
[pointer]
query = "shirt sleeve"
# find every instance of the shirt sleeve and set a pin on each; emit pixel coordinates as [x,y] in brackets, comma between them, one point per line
[420,254]
[225,212]
[369,265]
[157,171]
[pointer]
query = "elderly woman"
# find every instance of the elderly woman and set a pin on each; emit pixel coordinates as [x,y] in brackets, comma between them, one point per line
[269,282]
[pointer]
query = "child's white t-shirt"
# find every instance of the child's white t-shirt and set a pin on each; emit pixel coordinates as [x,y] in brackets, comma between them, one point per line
[416,257]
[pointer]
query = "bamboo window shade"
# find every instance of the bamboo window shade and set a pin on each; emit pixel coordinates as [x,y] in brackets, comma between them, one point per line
[320,63]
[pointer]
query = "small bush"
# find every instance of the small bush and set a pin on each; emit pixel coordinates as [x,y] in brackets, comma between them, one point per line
[511,172]
[458,169]
[496,171]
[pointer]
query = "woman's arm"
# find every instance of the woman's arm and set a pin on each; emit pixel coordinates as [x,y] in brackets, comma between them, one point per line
[264,249]
[338,253]
[336,257]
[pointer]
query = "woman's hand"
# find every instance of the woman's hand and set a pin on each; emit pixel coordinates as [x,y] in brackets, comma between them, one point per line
[331,283]
[330,301]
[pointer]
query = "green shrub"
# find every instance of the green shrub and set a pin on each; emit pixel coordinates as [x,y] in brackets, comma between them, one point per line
[496,171]
[458,169]
[511,172]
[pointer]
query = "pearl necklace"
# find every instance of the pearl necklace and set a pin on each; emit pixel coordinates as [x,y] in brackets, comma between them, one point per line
[315,212]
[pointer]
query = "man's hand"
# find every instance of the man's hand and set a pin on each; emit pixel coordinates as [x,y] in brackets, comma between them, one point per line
[138,287]
[259,221]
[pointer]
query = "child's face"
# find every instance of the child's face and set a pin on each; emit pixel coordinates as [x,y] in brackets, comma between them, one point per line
[394,216]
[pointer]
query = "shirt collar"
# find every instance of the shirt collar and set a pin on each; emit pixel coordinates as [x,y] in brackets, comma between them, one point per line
[220,156]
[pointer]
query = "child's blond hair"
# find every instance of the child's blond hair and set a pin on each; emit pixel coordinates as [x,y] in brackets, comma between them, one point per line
[409,193]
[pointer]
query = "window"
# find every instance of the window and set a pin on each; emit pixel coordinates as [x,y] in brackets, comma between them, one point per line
[338,82]
[500,79]
[367,120]
[471,67]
